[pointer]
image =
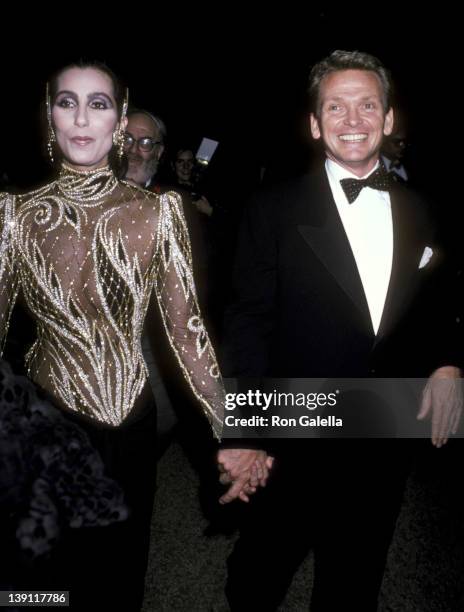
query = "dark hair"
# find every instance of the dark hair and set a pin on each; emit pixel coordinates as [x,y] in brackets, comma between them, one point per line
[348,60]
[119,166]
[180,150]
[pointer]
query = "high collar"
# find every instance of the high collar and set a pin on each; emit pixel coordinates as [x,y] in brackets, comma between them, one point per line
[86,186]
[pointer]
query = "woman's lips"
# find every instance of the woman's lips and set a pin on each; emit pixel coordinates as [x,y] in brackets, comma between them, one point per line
[82,140]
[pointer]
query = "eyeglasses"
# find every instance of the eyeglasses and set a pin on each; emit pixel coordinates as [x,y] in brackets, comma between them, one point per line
[144,144]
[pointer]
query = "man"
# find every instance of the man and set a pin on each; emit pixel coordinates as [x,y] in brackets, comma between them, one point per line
[144,146]
[326,284]
[145,141]
[393,150]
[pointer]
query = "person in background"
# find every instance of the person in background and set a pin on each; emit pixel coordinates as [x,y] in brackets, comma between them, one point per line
[144,144]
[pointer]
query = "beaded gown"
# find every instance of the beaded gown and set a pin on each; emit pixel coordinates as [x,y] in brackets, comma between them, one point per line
[87,250]
[90,256]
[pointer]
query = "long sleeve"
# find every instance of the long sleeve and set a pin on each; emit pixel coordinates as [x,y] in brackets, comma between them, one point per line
[175,291]
[8,275]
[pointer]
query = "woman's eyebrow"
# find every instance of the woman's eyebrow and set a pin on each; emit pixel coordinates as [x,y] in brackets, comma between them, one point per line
[89,96]
[99,93]
[67,92]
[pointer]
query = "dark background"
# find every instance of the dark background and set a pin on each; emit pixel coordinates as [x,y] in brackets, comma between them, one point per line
[240,79]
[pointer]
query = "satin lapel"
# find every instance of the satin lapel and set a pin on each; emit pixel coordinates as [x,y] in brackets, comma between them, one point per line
[325,235]
[404,265]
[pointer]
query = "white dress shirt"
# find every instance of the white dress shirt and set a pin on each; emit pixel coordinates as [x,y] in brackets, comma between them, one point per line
[399,170]
[369,227]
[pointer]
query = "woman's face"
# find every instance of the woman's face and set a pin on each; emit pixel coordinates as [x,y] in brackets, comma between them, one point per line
[84,116]
[184,165]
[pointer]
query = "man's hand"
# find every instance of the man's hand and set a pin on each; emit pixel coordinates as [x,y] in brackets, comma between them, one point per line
[442,401]
[244,470]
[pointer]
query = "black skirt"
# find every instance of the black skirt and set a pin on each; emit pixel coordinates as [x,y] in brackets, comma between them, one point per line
[101,512]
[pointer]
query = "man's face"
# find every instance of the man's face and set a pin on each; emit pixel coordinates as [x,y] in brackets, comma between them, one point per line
[352,121]
[142,164]
[395,146]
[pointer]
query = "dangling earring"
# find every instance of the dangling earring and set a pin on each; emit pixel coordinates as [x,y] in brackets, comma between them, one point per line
[51,138]
[119,134]
[118,141]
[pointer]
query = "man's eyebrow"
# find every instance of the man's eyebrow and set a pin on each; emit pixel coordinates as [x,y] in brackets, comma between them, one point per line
[369,97]
[334,99]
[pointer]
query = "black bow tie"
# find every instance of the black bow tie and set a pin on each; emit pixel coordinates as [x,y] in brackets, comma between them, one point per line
[377,180]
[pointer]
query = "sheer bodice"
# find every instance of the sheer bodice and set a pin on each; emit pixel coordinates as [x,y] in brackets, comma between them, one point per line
[88,251]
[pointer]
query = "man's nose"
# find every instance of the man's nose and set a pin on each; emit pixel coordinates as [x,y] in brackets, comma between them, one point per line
[132,148]
[352,116]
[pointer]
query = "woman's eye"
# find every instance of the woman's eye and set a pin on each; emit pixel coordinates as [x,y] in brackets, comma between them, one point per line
[65,103]
[98,104]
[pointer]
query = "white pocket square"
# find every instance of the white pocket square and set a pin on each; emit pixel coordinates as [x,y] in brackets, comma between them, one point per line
[426,256]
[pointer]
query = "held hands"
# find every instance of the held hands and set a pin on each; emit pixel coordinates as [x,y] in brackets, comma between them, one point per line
[244,469]
[442,402]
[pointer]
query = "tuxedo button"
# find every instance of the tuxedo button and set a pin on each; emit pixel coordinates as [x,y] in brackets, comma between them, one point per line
[372,370]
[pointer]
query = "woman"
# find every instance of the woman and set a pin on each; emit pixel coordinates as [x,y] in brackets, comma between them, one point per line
[86,252]
[184,164]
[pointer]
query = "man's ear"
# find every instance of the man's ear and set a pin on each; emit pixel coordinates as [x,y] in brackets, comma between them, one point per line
[123,123]
[160,151]
[388,123]
[314,124]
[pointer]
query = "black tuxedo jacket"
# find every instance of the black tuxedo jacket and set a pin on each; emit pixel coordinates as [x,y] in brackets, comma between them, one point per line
[300,308]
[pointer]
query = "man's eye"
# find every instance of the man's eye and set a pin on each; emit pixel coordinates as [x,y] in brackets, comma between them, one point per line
[369,106]
[334,107]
